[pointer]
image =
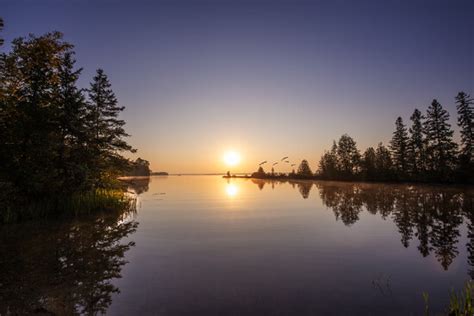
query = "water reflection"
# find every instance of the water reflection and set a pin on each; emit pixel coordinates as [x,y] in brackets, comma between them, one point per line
[304,187]
[138,185]
[62,268]
[231,190]
[430,215]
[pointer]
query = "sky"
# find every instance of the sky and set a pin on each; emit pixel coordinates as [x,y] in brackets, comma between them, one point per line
[266,79]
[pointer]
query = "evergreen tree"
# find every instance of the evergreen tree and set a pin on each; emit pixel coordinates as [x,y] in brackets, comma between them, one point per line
[416,144]
[29,128]
[53,143]
[348,156]
[71,119]
[383,163]
[106,129]
[328,168]
[464,105]
[369,168]
[1,29]
[441,150]
[399,147]
[304,170]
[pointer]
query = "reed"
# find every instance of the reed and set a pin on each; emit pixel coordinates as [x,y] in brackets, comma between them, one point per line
[460,303]
[73,205]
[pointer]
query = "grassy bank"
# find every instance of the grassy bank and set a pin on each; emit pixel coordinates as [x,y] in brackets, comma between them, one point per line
[76,204]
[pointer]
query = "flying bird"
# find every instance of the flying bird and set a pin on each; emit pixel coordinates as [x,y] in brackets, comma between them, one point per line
[284,158]
[293,165]
[287,161]
[263,162]
[276,163]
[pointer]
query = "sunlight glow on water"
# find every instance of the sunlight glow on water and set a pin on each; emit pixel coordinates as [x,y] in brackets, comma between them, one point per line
[231,190]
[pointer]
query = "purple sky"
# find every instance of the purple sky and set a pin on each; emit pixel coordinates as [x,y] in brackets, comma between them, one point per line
[265,78]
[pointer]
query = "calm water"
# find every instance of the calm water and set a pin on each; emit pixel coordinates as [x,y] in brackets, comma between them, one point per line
[202,245]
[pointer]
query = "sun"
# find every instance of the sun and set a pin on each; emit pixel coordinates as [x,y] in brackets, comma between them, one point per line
[231,158]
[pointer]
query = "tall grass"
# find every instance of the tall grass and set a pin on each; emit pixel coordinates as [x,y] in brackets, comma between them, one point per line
[460,304]
[76,204]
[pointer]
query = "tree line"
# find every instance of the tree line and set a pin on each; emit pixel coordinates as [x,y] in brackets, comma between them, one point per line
[57,138]
[423,152]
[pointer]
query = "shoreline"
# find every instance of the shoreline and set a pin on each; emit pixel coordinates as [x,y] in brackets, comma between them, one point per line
[314,179]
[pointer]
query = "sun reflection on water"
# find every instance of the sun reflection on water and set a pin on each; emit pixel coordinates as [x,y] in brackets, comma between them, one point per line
[231,190]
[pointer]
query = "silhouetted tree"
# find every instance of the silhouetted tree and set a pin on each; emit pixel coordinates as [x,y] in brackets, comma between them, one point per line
[304,171]
[464,105]
[54,142]
[141,167]
[260,173]
[348,156]
[369,166]
[383,163]
[107,132]
[441,150]
[399,147]
[72,126]
[416,152]
[1,29]
[29,125]
[328,168]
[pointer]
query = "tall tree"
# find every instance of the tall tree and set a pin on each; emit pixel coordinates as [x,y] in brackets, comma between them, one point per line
[304,170]
[416,144]
[28,115]
[1,29]
[107,132]
[399,147]
[465,107]
[383,163]
[72,125]
[369,168]
[328,168]
[348,156]
[441,150]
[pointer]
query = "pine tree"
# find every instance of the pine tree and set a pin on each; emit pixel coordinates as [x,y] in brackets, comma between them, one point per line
[441,150]
[416,144]
[29,127]
[106,129]
[465,107]
[369,168]
[328,168]
[399,147]
[304,170]
[71,119]
[1,29]
[383,163]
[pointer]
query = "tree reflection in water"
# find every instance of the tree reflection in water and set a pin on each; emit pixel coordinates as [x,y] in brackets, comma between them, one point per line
[63,268]
[432,215]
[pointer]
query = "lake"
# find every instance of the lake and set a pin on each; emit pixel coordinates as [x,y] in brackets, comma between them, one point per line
[204,245]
